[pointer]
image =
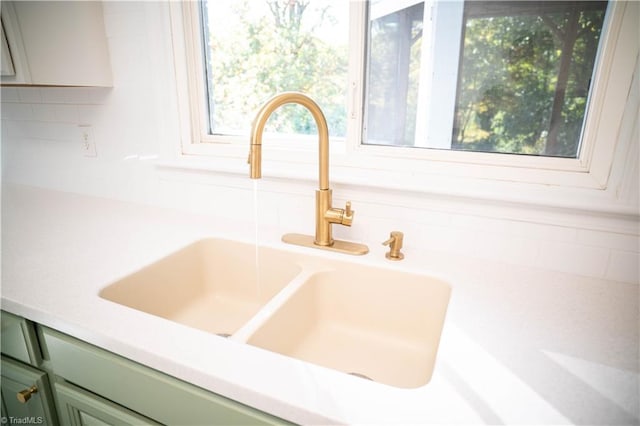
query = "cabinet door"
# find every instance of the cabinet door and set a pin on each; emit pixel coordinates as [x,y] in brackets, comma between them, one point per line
[36,406]
[18,72]
[56,43]
[78,407]
[6,63]
[18,338]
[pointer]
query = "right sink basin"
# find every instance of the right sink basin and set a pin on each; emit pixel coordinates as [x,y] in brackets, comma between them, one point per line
[375,323]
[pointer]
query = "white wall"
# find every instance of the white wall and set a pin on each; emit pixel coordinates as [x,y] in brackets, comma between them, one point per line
[136,120]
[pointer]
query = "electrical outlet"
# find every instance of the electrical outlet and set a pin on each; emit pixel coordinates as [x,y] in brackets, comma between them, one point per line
[87,142]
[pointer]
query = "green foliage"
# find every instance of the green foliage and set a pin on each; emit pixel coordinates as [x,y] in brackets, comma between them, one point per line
[510,79]
[275,52]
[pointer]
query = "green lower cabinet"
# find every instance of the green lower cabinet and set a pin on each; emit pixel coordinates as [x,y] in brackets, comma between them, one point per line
[96,387]
[77,407]
[26,395]
[143,390]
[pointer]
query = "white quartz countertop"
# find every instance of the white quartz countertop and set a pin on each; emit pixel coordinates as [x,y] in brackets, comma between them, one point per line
[520,345]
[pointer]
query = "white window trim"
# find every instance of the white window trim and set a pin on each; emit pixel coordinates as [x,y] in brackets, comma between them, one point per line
[539,180]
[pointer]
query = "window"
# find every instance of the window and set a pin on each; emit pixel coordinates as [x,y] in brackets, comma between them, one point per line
[471,80]
[519,84]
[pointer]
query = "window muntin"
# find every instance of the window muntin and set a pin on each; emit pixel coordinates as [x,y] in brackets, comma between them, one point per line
[520,83]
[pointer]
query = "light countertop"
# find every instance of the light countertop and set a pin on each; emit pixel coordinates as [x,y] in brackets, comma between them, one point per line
[519,345]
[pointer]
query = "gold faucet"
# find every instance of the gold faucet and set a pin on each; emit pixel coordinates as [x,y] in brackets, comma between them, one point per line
[326,215]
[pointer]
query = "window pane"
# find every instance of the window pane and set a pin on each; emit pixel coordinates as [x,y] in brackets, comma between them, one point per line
[395,39]
[520,83]
[255,49]
[524,76]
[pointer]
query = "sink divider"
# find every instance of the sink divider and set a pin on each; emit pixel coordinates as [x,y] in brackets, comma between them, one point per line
[249,328]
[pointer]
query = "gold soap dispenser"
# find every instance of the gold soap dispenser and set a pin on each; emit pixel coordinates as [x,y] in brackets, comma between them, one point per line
[395,245]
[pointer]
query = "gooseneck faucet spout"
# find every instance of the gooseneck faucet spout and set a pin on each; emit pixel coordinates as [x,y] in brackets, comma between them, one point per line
[261,120]
[326,215]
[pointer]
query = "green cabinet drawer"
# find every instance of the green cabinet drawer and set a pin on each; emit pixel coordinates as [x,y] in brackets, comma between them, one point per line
[77,407]
[141,389]
[18,339]
[38,408]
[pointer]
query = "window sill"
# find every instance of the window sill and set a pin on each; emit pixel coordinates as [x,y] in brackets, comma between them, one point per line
[572,200]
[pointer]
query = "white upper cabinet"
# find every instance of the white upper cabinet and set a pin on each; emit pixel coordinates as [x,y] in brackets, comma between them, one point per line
[54,43]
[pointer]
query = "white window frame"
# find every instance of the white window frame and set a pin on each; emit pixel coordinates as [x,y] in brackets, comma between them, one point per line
[425,170]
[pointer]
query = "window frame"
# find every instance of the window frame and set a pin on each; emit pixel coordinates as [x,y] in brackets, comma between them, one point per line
[426,170]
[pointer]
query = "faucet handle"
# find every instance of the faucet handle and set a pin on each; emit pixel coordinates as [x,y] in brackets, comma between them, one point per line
[347,217]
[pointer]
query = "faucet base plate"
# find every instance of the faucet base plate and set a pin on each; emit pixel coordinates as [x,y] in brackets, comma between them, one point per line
[338,245]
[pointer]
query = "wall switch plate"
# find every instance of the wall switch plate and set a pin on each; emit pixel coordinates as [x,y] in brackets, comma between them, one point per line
[87,141]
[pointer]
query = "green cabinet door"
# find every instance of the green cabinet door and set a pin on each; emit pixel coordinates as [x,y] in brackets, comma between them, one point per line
[18,339]
[36,406]
[78,407]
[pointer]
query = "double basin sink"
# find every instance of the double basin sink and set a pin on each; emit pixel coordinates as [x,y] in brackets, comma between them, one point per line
[373,322]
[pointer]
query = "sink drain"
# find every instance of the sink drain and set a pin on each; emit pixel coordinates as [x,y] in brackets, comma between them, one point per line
[362,376]
[223,334]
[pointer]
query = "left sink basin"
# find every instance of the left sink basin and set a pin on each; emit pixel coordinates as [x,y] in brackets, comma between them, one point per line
[214,285]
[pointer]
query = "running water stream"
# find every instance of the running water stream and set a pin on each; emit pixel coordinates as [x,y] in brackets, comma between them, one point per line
[257,240]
